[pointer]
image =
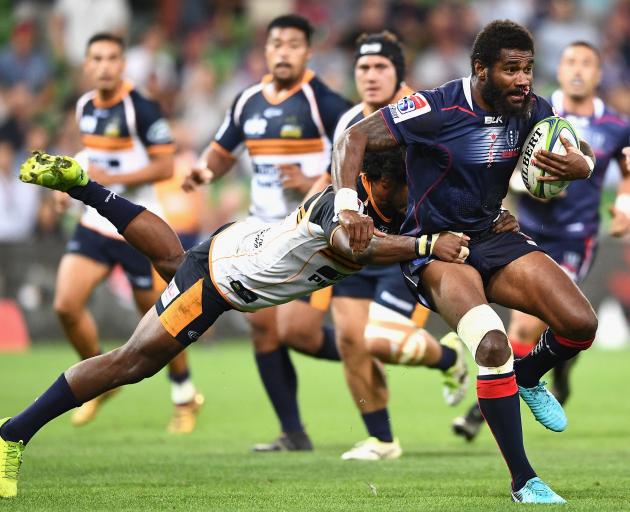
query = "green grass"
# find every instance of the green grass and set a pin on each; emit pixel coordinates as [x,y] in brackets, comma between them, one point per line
[126,461]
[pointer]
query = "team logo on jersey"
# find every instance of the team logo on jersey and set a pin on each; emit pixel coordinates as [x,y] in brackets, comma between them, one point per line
[193,335]
[291,131]
[159,132]
[112,128]
[255,126]
[512,138]
[272,112]
[87,124]
[409,107]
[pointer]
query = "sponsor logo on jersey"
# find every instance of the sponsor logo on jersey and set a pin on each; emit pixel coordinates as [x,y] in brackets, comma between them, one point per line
[255,126]
[159,132]
[87,124]
[493,120]
[292,131]
[169,294]
[272,112]
[112,128]
[409,107]
[367,48]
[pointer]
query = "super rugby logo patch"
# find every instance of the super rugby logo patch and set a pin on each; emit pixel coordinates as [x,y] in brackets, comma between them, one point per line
[409,107]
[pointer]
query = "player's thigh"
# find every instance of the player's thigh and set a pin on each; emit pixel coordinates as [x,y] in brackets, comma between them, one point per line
[300,325]
[536,284]
[77,277]
[525,328]
[453,288]
[264,324]
[350,316]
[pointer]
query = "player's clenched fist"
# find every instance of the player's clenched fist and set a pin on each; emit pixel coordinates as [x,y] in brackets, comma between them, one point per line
[359,227]
[197,176]
[451,247]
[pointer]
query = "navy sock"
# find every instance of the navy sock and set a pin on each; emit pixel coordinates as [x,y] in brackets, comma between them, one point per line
[447,359]
[56,400]
[544,356]
[328,350]
[377,424]
[278,375]
[178,378]
[499,404]
[117,210]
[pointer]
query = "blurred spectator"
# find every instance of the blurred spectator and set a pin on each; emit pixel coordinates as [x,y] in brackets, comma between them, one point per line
[520,11]
[73,22]
[616,57]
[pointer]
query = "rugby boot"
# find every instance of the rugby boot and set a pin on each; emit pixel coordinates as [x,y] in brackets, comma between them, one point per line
[88,411]
[468,426]
[55,172]
[374,449]
[184,416]
[10,462]
[287,442]
[544,406]
[456,377]
[536,491]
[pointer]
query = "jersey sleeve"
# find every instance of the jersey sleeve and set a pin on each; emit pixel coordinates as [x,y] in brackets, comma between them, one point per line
[624,141]
[323,212]
[332,108]
[415,119]
[229,136]
[153,129]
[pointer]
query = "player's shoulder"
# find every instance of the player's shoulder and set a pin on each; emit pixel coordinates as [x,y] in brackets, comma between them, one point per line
[450,98]
[85,99]
[324,94]
[351,116]
[606,114]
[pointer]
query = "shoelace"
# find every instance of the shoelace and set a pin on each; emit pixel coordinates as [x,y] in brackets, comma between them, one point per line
[13,460]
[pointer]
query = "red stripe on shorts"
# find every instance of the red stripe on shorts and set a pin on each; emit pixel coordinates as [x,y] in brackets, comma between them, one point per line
[497,388]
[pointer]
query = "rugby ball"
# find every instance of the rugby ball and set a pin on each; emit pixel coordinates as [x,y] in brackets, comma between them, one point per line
[545,135]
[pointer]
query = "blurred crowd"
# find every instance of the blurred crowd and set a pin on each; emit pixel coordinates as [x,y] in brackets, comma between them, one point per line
[194,56]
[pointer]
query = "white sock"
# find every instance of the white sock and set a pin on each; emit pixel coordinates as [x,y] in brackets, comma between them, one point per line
[183,392]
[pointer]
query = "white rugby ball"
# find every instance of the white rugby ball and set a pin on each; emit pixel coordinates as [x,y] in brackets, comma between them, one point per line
[545,135]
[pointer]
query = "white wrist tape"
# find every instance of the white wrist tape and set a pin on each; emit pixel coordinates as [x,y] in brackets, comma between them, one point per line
[346,199]
[622,204]
[591,164]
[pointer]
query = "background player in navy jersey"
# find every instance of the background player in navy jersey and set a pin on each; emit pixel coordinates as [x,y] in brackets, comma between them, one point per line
[247,265]
[286,122]
[128,146]
[376,317]
[566,227]
[463,140]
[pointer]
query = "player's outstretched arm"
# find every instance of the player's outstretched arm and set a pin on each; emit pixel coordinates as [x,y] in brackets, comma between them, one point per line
[387,249]
[370,134]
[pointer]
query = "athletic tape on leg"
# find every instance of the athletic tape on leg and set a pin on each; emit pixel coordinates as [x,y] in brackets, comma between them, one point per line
[473,326]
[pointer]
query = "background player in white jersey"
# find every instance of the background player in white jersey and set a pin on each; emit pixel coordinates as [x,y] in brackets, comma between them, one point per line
[567,227]
[246,266]
[286,122]
[128,146]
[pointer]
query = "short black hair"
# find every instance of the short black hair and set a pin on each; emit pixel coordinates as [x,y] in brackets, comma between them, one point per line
[496,36]
[388,164]
[105,36]
[292,21]
[588,45]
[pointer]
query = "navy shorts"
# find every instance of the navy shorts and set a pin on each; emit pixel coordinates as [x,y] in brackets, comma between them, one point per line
[110,251]
[489,253]
[575,256]
[191,303]
[382,284]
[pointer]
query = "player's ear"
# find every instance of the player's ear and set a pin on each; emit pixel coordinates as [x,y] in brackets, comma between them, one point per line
[481,72]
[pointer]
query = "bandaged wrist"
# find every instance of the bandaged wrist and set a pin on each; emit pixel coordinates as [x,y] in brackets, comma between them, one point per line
[622,204]
[346,199]
[591,165]
[425,245]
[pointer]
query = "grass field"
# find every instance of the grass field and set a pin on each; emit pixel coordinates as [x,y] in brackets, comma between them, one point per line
[126,461]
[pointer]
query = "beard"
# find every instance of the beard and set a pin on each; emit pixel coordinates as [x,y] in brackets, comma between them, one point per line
[498,98]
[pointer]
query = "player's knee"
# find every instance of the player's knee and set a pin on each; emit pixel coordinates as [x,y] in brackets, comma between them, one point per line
[580,324]
[67,310]
[299,336]
[493,350]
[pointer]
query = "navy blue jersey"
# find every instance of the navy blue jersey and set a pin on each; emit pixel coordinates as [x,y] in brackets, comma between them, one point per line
[459,157]
[296,128]
[576,215]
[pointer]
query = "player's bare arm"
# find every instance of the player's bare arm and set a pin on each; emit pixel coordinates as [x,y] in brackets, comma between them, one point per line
[217,164]
[572,166]
[370,134]
[160,167]
[620,210]
[388,249]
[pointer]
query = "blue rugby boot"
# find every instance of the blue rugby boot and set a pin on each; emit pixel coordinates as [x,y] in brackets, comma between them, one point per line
[544,406]
[536,491]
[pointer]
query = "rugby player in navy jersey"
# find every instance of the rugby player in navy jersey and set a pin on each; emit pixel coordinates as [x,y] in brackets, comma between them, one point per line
[246,266]
[463,141]
[566,227]
[286,123]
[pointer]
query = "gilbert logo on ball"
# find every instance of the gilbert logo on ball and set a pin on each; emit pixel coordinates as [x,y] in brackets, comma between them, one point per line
[545,135]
